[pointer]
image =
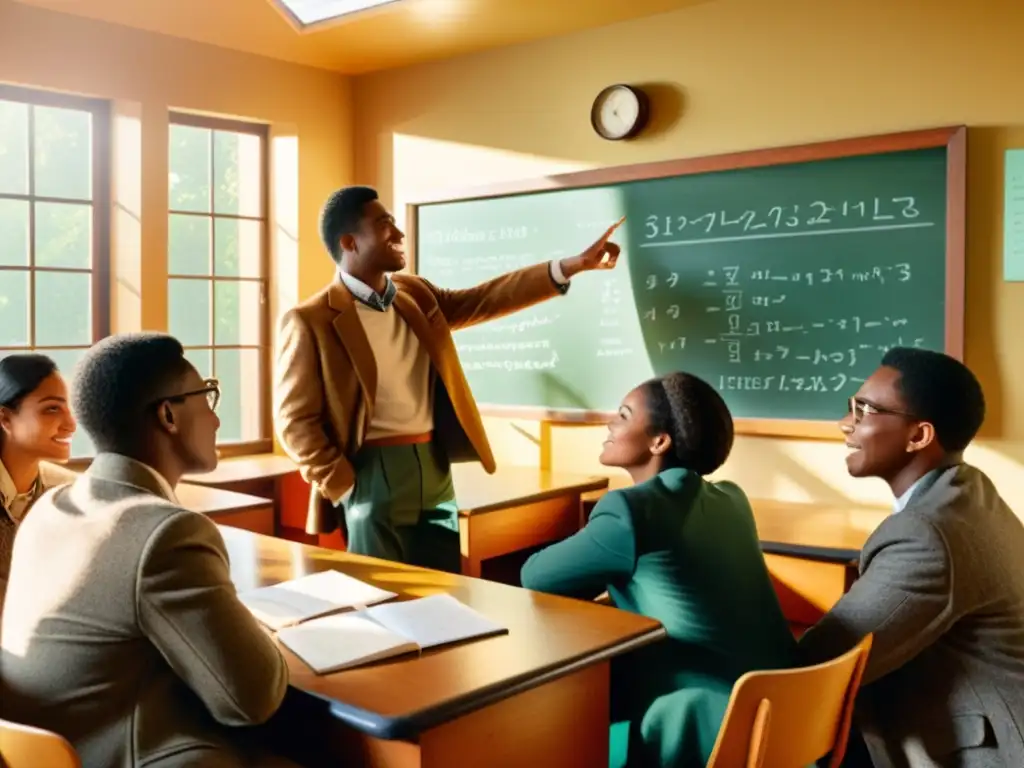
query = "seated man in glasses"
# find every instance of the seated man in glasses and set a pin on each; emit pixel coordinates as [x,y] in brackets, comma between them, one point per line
[941,584]
[122,631]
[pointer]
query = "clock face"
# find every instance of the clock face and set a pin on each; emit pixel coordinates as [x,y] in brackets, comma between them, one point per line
[616,112]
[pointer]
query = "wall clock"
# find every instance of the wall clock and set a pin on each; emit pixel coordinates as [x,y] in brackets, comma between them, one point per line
[620,112]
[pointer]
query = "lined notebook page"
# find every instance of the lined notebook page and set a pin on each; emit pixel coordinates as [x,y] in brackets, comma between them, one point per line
[435,620]
[298,600]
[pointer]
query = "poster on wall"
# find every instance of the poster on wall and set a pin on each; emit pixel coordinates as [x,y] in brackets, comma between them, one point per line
[1013,217]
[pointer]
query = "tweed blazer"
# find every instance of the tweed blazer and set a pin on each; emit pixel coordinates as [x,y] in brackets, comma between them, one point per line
[122,630]
[942,588]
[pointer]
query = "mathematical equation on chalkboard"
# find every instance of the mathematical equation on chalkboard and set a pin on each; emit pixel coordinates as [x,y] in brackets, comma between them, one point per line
[816,217]
[747,299]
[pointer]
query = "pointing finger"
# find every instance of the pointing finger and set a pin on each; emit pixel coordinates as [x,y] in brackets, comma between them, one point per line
[608,232]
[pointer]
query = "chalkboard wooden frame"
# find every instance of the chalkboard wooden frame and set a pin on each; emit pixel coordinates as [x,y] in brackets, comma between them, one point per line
[953,138]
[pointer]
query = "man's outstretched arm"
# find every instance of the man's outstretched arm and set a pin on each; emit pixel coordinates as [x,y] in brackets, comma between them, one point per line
[523,288]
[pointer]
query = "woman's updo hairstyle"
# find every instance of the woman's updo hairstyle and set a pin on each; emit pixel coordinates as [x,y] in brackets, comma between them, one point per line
[695,416]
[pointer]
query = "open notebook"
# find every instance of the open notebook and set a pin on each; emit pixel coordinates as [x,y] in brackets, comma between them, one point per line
[341,641]
[298,600]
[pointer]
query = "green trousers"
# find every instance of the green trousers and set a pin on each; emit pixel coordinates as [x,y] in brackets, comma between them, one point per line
[402,507]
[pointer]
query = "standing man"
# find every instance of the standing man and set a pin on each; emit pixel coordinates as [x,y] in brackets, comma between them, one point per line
[941,586]
[370,399]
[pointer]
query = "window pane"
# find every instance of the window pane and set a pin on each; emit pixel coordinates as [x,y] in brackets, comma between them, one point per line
[238,248]
[202,359]
[14,233]
[188,245]
[239,312]
[63,309]
[13,308]
[66,360]
[63,153]
[188,311]
[237,172]
[13,148]
[63,235]
[241,402]
[189,175]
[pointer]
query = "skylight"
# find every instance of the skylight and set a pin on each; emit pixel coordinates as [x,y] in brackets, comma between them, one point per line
[314,11]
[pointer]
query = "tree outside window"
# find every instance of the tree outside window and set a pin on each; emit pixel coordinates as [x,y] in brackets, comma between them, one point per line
[217,264]
[54,228]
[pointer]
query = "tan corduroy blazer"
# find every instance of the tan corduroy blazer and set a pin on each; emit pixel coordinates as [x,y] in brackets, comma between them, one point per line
[325,377]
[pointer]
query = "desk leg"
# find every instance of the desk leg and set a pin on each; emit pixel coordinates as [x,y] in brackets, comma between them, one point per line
[562,724]
[851,574]
[472,563]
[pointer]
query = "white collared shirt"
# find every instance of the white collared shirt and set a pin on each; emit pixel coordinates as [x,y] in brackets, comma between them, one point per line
[900,504]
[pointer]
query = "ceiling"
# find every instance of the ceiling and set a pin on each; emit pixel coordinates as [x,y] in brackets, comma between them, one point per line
[394,35]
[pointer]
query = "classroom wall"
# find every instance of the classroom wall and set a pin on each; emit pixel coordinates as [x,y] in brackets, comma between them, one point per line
[733,75]
[145,75]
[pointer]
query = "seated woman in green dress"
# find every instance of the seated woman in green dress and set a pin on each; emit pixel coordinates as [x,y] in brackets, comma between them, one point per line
[682,550]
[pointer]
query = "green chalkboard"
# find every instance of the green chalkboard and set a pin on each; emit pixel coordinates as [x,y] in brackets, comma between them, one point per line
[781,283]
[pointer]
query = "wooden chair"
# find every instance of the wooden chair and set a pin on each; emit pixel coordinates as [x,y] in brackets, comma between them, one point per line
[22,746]
[789,718]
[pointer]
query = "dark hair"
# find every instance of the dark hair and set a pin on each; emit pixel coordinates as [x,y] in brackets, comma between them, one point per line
[341,216]
[695,416]
[117,379]
[939,389]
[20,375]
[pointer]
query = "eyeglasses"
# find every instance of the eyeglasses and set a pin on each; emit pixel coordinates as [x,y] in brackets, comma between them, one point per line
[858,408]
[211,390]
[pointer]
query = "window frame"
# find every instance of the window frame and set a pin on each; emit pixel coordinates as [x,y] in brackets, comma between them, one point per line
[265,442]
[100,261]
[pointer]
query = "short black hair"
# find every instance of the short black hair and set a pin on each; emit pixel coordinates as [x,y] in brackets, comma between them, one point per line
[692,412]
[20,375]
[939,389]
[118,379]
[341,216]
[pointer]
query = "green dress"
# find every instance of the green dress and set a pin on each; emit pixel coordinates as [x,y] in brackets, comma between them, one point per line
[684,551]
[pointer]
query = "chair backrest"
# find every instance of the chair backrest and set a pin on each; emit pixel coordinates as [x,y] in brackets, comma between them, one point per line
[790,718]
[22,746]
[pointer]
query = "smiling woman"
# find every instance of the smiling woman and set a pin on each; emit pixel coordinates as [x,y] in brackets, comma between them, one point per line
[35,425]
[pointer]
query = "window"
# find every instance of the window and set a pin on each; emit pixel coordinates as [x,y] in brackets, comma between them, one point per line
[308,13]
[54,228]
[217,265]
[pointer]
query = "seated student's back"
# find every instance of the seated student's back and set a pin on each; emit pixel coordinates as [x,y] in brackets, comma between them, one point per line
[122,630]
[684,551]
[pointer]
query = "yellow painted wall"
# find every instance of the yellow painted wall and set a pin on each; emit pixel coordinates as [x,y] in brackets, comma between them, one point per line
[145,74]
[752,74]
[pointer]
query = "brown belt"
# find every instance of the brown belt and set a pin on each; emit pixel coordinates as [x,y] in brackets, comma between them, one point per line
[384,442]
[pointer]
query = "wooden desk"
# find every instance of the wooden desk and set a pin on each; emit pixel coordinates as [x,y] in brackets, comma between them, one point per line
[516,508]
[239,510]
[812,552]
[270,476]
[537,696]
[245,469]
[828,534]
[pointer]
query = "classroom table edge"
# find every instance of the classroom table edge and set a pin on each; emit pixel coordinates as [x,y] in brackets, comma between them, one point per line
[410,725]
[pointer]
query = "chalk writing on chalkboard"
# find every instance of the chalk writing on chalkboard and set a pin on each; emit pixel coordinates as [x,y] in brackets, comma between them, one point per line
[780,283]
[843,217]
